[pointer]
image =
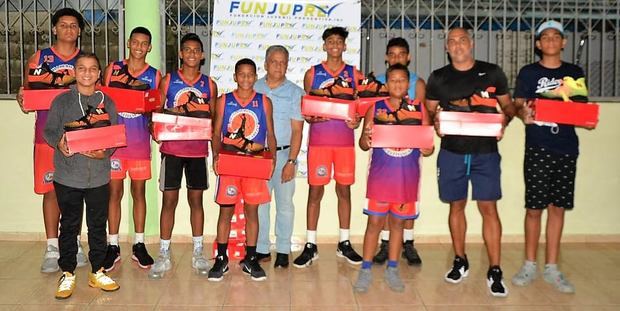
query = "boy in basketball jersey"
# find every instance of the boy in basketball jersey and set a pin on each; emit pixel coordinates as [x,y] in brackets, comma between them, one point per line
[393,177]
[397,52]
[330,146]
[243,123]
[180,90]
[52,67]
[135,159]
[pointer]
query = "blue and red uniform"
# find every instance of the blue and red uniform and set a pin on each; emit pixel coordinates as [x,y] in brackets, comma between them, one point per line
[331,142]
[394,173]
[136,157]
[40,76]
[178,93]
[243,123]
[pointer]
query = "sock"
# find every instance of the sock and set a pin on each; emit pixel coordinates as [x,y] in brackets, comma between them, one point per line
[392,263]
[408,235]
[164,245]
[529,263]
[344,234]
[385,235]
[311,236]
[221,249]
[197,240]
[366,264]
[52,242]
[139,238]
[113,239]
[250,251]
[551,267]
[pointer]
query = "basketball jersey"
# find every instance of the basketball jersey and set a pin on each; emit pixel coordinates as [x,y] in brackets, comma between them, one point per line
[247,121]
[178,92]
[334,133]
[136,125]
[394,173]
[48,59]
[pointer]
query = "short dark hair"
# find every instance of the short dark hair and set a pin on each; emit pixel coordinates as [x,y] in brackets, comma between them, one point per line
[83,54]
[339,31]
[68,12]
[245,61]
[398,42]
[192,37]
[141,30]
[397,67]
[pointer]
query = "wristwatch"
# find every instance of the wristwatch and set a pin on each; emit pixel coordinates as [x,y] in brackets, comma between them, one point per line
[292,161]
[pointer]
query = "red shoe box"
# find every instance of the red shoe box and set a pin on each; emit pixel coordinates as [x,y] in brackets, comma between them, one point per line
[402,136]
[236,248]
[171,127]
[40,99]
[242,165]
[237,233]
[133,101]
[96,138]
[470,123]
[571,113]
[363,103]
[332,108]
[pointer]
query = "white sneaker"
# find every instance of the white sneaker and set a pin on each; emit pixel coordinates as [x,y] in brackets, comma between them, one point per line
[50,260]
[161,265]
[526,275]
[66,285]
[199,262]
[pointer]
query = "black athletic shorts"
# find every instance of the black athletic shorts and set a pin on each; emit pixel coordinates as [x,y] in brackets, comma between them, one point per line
[549,178]
[172,168]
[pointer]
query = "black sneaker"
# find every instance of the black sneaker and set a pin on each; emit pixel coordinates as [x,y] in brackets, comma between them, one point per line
[141,256]
[411,254]
[263,257]
[495,282]
[281,260]
[112,256]
[219,269]
[346,250]
[382,254]
[251,267]
[309,254]
[460,270]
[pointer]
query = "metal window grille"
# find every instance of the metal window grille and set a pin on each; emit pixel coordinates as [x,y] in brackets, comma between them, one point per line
[503,33]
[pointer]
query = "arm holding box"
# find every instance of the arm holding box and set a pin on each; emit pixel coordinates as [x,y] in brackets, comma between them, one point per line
[216,142]
[365,141]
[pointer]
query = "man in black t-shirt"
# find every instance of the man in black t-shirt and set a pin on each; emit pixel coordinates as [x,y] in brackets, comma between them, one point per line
[468,85]
[551,152]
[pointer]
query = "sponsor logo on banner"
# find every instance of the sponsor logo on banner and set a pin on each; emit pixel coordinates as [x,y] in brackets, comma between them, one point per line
[284,9]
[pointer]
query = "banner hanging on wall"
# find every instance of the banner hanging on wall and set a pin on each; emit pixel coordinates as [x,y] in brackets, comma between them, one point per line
[247,28]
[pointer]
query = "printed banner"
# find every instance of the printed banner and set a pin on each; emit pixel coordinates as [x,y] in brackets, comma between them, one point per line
[247,28]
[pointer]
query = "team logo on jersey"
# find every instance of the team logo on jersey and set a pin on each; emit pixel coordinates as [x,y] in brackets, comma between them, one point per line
[321,171]
[245,123]
[48,177]
[188,95]
[115,164]
[44,76]
[231,191]
[398,152]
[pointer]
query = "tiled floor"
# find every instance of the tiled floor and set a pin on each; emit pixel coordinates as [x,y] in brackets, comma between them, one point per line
[326,285]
